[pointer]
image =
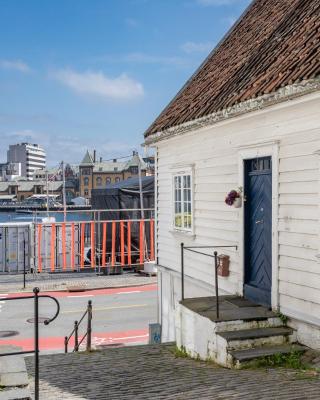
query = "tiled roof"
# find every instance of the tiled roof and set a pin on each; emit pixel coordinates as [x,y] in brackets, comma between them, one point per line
[274,44]
[28,186]
[87,160]
[109,166]
[134,162]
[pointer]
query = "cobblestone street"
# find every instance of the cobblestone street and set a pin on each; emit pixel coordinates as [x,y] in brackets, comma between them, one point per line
[153,372]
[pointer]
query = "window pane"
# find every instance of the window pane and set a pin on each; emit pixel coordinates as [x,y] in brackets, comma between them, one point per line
[177,208]
[182,202]
[186,181]
[176,182]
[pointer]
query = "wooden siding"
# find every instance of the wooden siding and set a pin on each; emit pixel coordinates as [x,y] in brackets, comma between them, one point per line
[213,152]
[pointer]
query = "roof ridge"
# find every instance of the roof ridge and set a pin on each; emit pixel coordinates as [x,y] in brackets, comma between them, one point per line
[247,62]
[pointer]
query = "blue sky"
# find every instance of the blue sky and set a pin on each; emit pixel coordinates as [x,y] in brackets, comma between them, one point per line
[78,74]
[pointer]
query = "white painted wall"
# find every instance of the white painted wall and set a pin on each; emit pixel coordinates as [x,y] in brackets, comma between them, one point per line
[214,154]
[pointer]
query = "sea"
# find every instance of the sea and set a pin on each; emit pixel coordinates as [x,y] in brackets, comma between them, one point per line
[6,217]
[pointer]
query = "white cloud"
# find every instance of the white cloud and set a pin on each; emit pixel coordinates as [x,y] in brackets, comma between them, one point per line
[56,146]
[60,147]
[207,3]
[15,65]
[99,85]
[193,47]
[25,135]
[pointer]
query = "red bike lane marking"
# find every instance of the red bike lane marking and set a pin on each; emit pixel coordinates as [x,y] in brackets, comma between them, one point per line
[105,338]
[87,293]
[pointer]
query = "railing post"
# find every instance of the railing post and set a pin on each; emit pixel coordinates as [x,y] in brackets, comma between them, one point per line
[76,337]
[216,282]
[66,344]
[36,343]
[182,271]
[89,327]
[24,261]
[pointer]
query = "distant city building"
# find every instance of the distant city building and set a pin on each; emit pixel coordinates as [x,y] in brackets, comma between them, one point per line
[95,174]
[21,190]
[31,157]
[10,171]
[150,162]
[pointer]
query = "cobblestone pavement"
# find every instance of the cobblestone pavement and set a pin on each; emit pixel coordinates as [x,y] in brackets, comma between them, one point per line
[153,372]
[48,282]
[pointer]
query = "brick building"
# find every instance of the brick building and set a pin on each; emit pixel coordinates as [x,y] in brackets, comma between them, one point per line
[95,174]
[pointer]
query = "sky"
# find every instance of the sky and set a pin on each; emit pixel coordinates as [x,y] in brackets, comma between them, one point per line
[94,74]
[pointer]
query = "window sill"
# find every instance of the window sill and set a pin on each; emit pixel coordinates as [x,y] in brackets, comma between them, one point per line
[177,232]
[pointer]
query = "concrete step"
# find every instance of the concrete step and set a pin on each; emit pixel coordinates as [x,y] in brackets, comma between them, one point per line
[14,379]
[241,325]
[16,394]
[246,334]
[246,355]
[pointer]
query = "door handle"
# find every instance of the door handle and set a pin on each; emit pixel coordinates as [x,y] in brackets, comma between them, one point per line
[259,222]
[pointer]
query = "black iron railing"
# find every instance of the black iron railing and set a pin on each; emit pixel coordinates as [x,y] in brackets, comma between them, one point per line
[195,249]
[75,331]
[36,332]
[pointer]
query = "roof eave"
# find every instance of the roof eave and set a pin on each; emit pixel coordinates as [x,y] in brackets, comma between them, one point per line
[284,94]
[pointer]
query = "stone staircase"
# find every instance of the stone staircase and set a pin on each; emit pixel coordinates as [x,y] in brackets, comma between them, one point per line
[243,333]
[240,347]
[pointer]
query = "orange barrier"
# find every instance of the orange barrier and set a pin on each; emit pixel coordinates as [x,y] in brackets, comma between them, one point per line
[82,231]
[72,261]
[152,240]
[64,252]
[129,242]
[113,249]
[104,244]
[93,252]
[111,243]
[122,242]
[141,242]
[53,247]
[39,248]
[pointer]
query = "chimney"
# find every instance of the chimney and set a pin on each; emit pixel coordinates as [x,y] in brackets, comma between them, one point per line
[114,160]
[101,159]
[94,156]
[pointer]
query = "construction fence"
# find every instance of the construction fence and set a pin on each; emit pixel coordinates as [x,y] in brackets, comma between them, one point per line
[52,246]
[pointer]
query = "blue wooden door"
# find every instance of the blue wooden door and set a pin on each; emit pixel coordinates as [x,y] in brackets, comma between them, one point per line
[258,230]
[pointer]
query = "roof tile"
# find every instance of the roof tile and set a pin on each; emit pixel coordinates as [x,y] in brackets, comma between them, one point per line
[275,43]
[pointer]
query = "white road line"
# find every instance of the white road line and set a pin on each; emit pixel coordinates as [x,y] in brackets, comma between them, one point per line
[133,291]
[86,295]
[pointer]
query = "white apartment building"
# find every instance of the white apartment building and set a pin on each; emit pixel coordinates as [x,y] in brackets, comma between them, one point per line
[31,156]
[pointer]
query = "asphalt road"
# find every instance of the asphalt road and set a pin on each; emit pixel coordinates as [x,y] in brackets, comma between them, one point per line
[119,316]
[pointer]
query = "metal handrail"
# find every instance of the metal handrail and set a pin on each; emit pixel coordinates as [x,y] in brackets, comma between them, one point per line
[36,296]
[216,265]
[75,331]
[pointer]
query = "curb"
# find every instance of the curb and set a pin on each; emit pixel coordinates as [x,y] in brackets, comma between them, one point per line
[83,290]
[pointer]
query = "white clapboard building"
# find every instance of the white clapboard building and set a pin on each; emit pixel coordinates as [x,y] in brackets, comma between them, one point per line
[248,120]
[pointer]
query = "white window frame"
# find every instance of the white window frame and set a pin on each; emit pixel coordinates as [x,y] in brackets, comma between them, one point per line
[186,171]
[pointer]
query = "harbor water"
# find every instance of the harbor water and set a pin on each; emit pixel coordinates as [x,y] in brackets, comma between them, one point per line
[6,217]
